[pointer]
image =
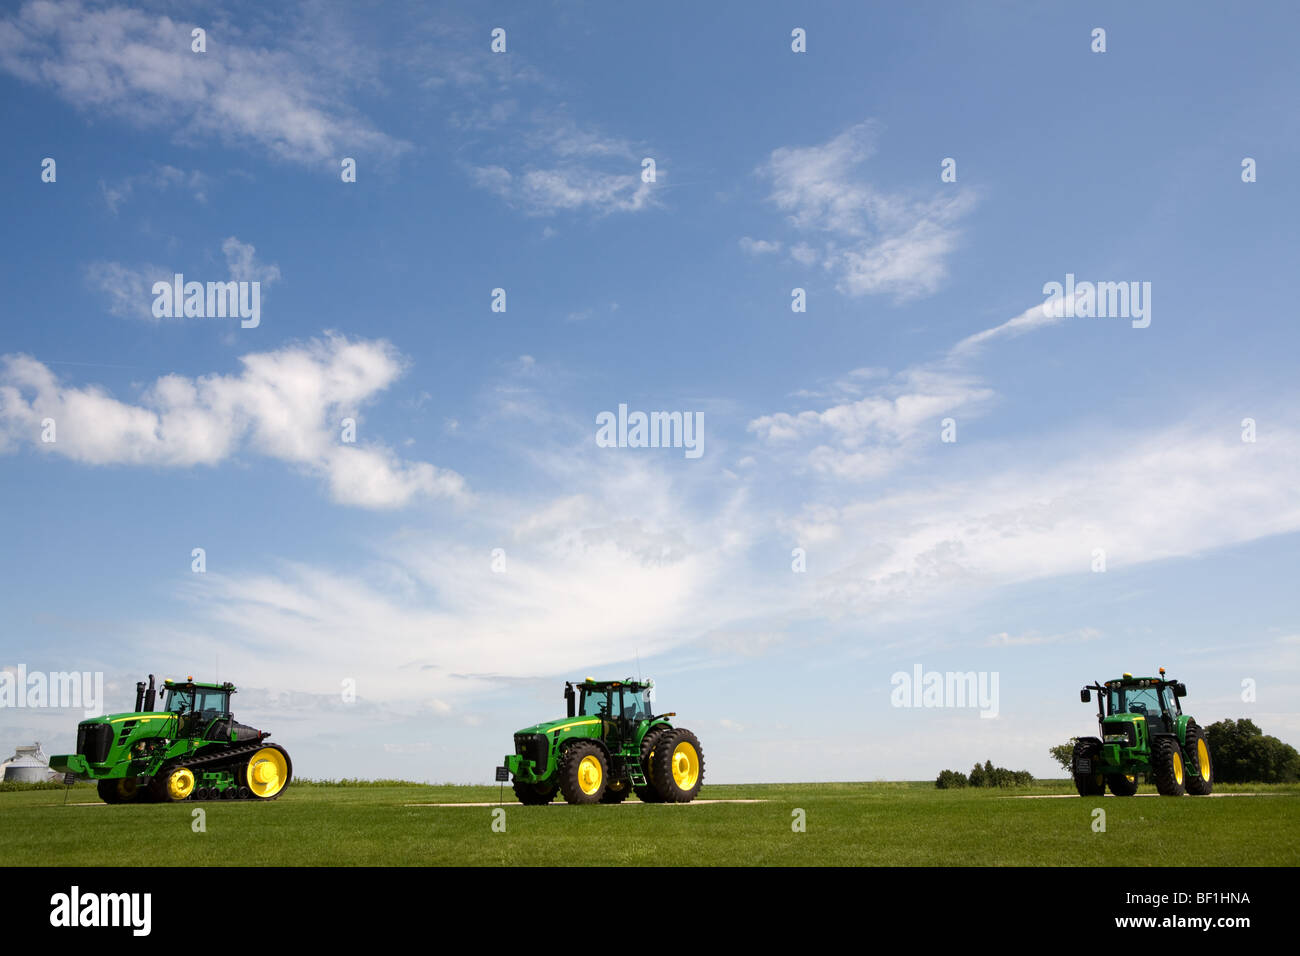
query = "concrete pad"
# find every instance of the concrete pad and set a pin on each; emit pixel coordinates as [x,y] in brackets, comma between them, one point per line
[560,803]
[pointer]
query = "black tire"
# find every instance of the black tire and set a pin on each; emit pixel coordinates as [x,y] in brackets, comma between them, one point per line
[535,794]
[1200,783]
[161,792]
[648,793]
[230,792]
[121,790]
[583,772]
[1121,785]
[616,791]
[678,766]
[1088,778]
[1167,764]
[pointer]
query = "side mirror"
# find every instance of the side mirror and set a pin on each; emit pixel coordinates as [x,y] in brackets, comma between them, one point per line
[1085,695]
[1180,689]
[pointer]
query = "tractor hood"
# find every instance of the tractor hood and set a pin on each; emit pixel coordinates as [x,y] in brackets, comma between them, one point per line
[561,724]
[117,720]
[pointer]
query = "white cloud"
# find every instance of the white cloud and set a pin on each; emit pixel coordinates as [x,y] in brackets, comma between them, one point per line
[566,187]
[285,405]
[1004,639]
[871,436]
[875,242]
[241,259]
[1034,317]
[160,178]
[758,247]
[126,63]
[1034,512]
[129,289]
[583,585]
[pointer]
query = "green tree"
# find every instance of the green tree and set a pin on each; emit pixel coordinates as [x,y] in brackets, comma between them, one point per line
[1064,755]
[1242,753]
[950,780]
[977,777]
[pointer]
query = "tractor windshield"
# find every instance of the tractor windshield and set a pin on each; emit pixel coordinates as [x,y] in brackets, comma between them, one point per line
[180,700]
[1135,700]
[595,702]
[636,704]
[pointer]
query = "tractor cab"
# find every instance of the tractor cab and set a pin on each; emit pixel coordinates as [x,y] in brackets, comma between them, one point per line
[200,707]
[621,705]
[1154,700]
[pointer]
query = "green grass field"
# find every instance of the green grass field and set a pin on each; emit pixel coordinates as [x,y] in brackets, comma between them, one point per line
[876,824]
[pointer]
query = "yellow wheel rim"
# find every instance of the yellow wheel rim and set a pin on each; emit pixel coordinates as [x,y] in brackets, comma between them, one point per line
[1203,758]
[126,788]
[1130,777]
[686,766]
[267,772]
[1178,769]
[180,784]
[589,774]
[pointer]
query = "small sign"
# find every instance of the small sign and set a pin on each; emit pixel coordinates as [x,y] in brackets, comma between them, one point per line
[502,774]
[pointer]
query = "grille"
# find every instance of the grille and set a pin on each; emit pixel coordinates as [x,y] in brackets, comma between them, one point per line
[1122,729]
[93,741]
[532,747]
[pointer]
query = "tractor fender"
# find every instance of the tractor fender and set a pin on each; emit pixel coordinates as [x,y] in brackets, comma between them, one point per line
[609,757]
[1181,725]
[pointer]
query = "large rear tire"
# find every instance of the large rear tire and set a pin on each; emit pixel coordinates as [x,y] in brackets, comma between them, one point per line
[1167,764]
[1201,783]
[535,794]
[1084,764]
[583,773]
[678,766]
[649,793]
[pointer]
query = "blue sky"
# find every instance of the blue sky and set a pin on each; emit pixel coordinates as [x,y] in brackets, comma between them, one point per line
[372,561]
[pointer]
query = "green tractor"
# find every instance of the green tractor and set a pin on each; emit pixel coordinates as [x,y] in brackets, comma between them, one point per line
[1143,731]
[191,749]
[608,746]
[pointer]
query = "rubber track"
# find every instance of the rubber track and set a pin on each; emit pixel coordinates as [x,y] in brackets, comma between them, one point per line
[230,755]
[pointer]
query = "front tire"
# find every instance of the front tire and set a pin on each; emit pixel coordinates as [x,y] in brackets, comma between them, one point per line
[1200,784]
[616,791]
[173,784]
[583,773]
[534,794]
[121,790]
[1167,763]
[678,767]
[1122,785]
[1088,778]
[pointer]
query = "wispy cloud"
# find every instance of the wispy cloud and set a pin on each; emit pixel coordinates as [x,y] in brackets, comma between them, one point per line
[158,179]
[285,405]
[129,288]
[139,67]
[874,242]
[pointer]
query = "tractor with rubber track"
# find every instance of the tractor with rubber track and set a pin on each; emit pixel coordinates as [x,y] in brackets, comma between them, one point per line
[190,749]
[1143,730]
[608,746]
